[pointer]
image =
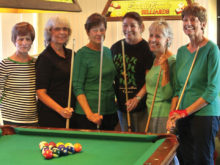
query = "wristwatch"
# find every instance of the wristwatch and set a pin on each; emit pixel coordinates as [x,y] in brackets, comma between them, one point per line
[138,98]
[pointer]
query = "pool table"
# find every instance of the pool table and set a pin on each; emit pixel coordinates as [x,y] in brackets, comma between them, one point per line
[20,146]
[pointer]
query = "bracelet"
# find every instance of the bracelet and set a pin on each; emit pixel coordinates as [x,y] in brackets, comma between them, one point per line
[183,113]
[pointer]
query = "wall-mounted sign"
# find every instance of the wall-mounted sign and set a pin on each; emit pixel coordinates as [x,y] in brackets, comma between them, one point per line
[51,5]
[148,9]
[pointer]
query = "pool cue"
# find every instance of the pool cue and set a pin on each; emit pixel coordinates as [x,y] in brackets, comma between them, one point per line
[70,84]
[100,78]
[126,85]
[187,79]
[152,105]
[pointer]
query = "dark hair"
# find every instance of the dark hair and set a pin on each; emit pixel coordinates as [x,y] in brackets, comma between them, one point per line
[135,16]
[195,10]
[22,29]
[94,20]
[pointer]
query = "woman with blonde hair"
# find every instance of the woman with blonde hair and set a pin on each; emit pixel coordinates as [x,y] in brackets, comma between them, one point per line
[160,39]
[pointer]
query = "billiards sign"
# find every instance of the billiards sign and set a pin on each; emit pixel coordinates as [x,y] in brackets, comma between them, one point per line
[148,9]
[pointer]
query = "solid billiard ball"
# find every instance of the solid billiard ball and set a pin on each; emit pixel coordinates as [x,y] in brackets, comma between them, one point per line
[48,154]
[52,144]
[77,147]
[68,144]
[59,143]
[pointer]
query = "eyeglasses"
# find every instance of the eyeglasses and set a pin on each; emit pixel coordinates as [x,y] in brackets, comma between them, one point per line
[96,30]
[57,29]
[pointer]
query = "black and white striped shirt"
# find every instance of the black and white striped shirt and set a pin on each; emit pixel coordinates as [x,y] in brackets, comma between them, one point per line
[17,91]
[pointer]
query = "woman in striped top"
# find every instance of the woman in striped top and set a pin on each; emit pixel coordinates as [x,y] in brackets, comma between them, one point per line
[17,80]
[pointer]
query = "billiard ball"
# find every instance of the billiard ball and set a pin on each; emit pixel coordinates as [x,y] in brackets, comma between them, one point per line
[68,144]
[63,151]
[48,154]
[59,143]
[43,143]
[77,147]
[51,147]
[52,144]
[56,152]
[45,148]
[70,149]
[60,147]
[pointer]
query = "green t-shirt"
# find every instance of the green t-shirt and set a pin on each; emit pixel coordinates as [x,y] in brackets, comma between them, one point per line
[164,94]
[204,80]
[86,80]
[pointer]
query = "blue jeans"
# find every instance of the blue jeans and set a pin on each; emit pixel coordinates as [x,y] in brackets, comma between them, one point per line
[197,139]
[138,121]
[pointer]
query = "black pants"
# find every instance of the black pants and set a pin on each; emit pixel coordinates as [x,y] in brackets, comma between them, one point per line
[108,123]
[197,139]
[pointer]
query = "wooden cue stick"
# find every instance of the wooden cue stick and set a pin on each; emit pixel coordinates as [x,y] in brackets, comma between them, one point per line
[187,79]
[126,85]
[152,105]
[100,77]
[70,84]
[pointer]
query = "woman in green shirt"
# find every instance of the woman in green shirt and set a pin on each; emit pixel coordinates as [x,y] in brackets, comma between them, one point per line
[197,119]
[160,37]
[86,80]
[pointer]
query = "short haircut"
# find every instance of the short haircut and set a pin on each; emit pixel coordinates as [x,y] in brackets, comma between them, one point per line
[135,16]
[164,27]
[93,20]
[195,10]
[22,29]
[53,22]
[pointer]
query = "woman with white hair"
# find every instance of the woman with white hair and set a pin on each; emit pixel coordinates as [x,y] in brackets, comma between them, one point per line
[160,38]
[53,73]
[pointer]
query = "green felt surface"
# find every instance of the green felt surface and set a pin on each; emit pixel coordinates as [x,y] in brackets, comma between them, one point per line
[98,148]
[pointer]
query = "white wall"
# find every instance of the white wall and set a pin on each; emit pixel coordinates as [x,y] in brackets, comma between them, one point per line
[1,37]
[8,20]
[77,20]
